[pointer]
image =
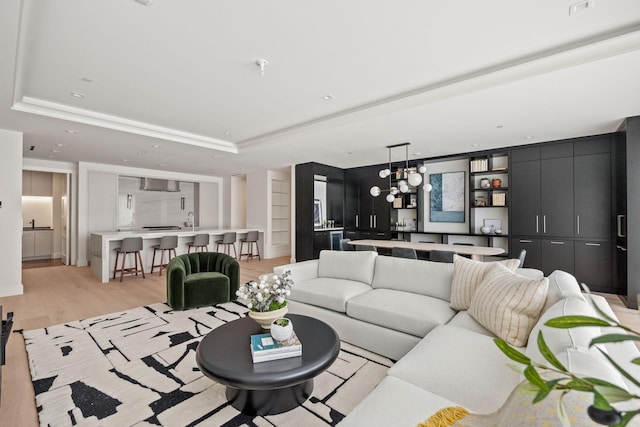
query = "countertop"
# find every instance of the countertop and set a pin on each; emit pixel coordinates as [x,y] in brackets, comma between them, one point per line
[185,232]
[329,229]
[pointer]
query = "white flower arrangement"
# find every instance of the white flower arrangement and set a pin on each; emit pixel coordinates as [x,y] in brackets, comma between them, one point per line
[269,294]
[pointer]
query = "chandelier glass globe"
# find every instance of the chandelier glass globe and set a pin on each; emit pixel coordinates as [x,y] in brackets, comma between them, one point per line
[384,173]
[390,198]
[404,188]
[415,179]
[427,187]
[422,169]
[375,191]
[393,190]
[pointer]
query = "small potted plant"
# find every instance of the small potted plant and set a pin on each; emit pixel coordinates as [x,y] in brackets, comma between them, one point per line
[267,299]
[281,329]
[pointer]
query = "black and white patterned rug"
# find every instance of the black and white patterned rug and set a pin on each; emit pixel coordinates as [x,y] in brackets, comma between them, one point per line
[137,368]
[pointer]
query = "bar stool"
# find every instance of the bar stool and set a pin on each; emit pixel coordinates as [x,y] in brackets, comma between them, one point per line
[130,245]
[252,237]
[228,241]
[167,243]
[199,241]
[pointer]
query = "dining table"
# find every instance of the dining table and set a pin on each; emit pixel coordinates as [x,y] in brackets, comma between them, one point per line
[476,252]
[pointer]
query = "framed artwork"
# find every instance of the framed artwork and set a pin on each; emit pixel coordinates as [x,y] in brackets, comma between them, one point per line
[447,197]
[317,213]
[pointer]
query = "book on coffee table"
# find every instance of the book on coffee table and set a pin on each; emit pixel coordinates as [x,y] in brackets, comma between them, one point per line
[264,348]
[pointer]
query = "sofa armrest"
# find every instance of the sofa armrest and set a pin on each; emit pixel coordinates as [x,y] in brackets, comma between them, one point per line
[300,271]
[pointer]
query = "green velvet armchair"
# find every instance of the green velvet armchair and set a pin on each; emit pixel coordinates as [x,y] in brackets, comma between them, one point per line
[201,278]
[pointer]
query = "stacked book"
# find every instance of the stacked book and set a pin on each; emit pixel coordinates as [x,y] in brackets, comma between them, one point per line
[479,165]
[499,199]
[265,348]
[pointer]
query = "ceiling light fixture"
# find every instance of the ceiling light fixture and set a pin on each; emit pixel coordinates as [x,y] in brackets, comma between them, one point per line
[71,131]
[144,2]
[262,63]
[413,176]
[59,145]
[328,97]
[228,133]
[77,95]
[86,80]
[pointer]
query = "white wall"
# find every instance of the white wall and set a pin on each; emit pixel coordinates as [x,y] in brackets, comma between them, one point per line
[11,213]
[238,195]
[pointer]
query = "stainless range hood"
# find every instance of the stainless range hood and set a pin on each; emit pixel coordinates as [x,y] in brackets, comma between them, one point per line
[155,184]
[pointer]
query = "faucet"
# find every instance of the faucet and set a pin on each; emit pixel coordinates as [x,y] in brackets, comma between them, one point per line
[33,223]
[191,219]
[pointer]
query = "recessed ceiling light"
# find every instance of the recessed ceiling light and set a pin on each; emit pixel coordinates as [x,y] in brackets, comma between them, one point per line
[145,2]
[475,145]
[59,145]
[432,151]
[215,156]
[125,160]
[86,80]
[71,131]
[328,97]
[141,153]
[499,127]
[55,151]
[228,133]
[51,156]
[529,137]
[417,153]
[77,94]
[155,146]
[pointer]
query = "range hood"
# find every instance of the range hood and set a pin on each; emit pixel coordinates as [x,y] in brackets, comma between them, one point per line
[155,184]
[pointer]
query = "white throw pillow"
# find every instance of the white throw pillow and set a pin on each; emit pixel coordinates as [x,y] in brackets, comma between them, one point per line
[467,275]
[508,304]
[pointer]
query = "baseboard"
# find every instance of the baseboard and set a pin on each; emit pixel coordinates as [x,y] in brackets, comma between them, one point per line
[82,263]
[6,291]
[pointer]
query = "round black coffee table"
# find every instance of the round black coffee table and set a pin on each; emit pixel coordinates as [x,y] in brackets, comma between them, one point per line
[272,387]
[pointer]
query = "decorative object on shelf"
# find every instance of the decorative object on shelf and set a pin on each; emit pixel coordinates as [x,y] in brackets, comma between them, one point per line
[496,182]
[413,176]
[447,197]
[317,213]
[497,231]
[485,229]
[493,224]
[267,299]
[498,199]
[480,202]
[485,183]
[281,329]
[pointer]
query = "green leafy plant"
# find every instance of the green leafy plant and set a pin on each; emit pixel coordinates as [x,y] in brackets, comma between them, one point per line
[281,322]
[605,394]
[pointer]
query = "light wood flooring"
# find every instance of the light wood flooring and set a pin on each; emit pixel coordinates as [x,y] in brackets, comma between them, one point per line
[54,295]
[58,294]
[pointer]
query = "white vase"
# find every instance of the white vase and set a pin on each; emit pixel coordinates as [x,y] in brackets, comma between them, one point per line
[281,333]
[265,318]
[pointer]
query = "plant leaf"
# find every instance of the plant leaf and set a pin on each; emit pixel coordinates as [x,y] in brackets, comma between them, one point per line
[542,393]
[600,402]
[534,378]
[548,354]
[636,361]
[613,338]
[562,414]
[566,322]
[511,352]
[579,385]
[613,394]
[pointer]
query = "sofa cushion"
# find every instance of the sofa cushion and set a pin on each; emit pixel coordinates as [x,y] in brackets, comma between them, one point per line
[508,304]
[349,265]
[464,320]
[467,275]
[407,312]
[417,276]
[561,285]
[590,364]
[394,402]
[559,339]
[328,293]
[460,365]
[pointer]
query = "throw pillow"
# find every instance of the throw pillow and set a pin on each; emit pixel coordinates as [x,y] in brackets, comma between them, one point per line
[467,275]
[508,304]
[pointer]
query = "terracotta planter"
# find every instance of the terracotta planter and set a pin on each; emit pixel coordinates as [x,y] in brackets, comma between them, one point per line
[496,183]
[265,318]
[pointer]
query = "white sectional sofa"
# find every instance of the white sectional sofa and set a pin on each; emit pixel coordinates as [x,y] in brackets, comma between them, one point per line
[402,309]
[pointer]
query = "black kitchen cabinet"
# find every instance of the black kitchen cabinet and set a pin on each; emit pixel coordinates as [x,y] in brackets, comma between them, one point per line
[556,197]
[351,200]
[593,265]
[321,241]
[557,254]
[532,246]
[375,212]
[524,183]
[592,196]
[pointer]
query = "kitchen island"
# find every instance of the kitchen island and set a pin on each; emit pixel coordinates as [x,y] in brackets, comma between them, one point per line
[103,244]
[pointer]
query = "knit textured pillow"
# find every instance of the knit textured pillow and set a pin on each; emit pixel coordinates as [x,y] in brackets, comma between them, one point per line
[467,275]
[508,304]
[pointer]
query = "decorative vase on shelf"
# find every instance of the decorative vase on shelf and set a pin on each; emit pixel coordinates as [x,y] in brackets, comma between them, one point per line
[281,329]
[266,318]
[485,183]
[496,183]
[485,229]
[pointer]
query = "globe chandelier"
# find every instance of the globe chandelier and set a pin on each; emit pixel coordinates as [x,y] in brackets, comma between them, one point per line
[413,176]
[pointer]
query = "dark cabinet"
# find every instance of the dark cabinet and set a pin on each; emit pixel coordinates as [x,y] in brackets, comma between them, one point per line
[556,197]
[375,212]
[351,200]
[593,265]
[557,254]
[592,196]
[532,246]
[524,183]
[321,241]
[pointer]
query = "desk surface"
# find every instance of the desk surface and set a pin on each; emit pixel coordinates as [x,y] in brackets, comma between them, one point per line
[476,252]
